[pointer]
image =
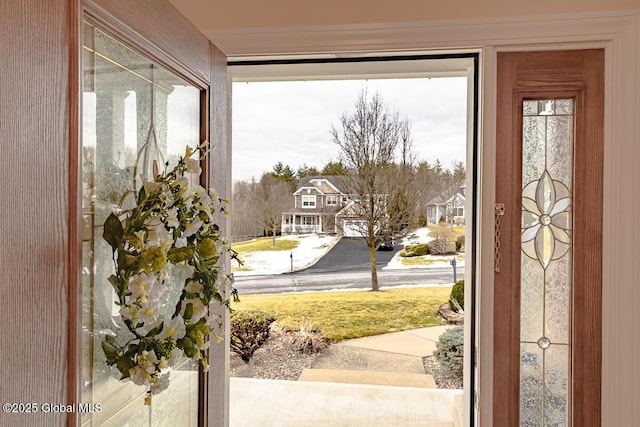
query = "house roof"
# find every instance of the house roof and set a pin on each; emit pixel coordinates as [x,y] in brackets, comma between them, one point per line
[440,200]
[325,184]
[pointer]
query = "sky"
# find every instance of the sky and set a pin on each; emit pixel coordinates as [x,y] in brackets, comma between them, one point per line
[290,122]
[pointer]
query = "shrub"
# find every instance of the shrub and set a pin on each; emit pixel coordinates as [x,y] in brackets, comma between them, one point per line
[415,250]
[460,242]
[457,294]
[249,330]
[449,350]
[306,340]
[442,247]
[422,220]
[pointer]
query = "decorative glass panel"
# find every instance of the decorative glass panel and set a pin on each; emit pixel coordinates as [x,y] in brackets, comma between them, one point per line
[135,114]
[548,128]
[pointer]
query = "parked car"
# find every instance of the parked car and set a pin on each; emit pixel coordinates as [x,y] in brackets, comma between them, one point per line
[387,244]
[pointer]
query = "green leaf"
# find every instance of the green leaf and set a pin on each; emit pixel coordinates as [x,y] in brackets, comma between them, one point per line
[114,282]
[111,349]
[141,195]
[113,231]
[176,255]
[188,312]
[124,364]
[188,346]
[155,331]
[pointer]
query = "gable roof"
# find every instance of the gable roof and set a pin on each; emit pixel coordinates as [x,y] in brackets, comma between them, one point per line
[326,184]
[458,197]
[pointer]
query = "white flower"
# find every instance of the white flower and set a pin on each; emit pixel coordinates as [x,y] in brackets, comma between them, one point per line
[148,314]
[172,218]
[182,184]
[159,236]
[166,196]
[199,309]
[173,328]
[140,284]
[192,228]
[202,195]
[146,367]
[130,312]
[159,384]
[139,376]
[176,355]
[193,166]
[151,186]
[193,287]
[182,271]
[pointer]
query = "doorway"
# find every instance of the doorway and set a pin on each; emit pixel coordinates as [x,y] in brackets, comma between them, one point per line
[464,65]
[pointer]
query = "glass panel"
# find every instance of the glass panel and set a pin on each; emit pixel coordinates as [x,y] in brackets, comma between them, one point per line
[531,311]
[556,386]
[546,262]
[533,149]
[531,385]
[530,108]
[559,144]
[135,114]
[557,298]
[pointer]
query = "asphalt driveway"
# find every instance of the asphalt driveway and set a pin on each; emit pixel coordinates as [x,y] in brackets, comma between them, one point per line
[350,254]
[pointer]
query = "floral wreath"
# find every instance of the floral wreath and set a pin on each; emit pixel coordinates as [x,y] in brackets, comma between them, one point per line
[169,234]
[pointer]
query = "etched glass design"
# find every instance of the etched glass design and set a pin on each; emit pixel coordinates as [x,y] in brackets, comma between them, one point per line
[547,165]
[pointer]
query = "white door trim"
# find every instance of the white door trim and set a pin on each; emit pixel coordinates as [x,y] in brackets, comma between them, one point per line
[336,41]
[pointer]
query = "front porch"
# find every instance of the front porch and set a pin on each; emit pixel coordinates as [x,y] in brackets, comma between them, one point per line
[306,223]
[279,403]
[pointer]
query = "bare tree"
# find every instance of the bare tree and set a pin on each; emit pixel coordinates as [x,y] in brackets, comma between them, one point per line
[368,139]
[244,223]
[271,198]
[404,190]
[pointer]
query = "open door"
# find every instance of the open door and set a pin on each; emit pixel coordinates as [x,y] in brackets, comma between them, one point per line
[548,220]
[145,95]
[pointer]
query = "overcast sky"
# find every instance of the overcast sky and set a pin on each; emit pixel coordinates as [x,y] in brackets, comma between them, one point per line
[291,121]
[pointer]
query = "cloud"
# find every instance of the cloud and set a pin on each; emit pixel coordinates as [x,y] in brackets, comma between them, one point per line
[291,121]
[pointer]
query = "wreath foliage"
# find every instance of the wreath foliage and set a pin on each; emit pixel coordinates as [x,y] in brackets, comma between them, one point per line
[170,235]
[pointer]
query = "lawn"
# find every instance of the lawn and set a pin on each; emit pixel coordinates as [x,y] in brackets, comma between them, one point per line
[265,244]
[416,261]
[353,314]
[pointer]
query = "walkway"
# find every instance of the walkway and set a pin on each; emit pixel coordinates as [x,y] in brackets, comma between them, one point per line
[373,381]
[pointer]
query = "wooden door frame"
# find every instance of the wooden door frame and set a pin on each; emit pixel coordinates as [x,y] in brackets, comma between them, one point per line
[185,51]
[533,75]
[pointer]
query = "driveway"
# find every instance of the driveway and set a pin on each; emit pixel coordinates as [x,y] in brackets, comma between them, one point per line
[350,254]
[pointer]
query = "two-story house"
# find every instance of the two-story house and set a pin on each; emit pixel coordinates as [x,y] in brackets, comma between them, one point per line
[450,210]
[318,199]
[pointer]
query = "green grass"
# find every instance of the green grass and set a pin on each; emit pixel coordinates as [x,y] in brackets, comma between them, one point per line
[352,314]
[429,260]
[265,244]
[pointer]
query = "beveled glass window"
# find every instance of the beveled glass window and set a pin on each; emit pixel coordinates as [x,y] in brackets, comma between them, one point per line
[546,262]
[135,114]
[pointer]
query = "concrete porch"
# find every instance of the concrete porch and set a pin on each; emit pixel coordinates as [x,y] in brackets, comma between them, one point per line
[371,381]
[274,403]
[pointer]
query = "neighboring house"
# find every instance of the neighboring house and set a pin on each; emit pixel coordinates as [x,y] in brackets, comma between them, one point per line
[318,199]
[321,205]
[451,210]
